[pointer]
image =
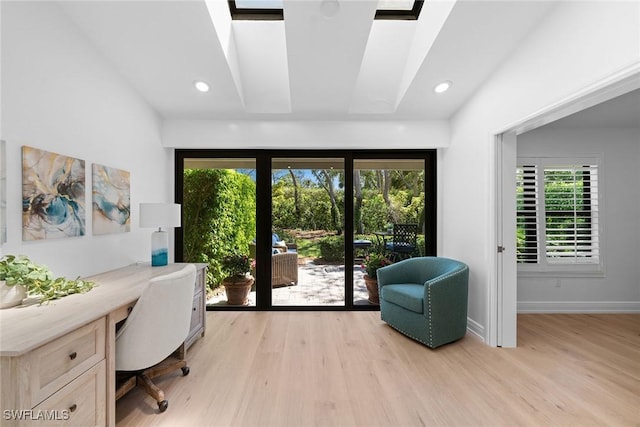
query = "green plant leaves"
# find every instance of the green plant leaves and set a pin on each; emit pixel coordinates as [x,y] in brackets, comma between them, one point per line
[219,217]
[38,279]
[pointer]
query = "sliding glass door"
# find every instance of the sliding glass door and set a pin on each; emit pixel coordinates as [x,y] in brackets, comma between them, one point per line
[307,218]
[388,218]
[219,224]
[310,224]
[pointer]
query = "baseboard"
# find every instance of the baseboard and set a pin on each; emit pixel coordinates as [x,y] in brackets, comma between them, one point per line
[578,306]
[475,328]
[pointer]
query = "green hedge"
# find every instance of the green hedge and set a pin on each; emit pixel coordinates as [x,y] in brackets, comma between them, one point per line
[219,217]
[332,248]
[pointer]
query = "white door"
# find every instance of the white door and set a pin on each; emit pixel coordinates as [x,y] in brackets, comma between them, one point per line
[506,273]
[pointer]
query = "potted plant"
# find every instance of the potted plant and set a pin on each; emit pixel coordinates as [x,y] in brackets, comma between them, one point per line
[238,282]
[20,278]
[371,265]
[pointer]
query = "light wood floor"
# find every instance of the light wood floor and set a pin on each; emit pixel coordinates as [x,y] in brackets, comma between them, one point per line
[351,369]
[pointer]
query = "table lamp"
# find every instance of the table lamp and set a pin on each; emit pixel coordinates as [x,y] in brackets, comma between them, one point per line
[158,215]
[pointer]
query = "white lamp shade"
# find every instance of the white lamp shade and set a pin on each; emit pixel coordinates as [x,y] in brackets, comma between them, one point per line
[157,215]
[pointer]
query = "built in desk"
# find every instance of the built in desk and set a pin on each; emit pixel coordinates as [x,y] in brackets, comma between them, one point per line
[57,360]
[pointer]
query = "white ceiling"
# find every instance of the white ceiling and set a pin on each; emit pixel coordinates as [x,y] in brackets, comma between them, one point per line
[328,59]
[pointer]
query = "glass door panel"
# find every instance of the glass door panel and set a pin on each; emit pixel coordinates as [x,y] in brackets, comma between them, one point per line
[388,218]
[308,261]
[219,225]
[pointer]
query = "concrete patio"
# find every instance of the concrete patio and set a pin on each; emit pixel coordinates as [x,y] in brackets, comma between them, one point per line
[318,285]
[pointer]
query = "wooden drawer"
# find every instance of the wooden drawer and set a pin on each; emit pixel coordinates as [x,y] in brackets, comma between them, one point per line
[55,364]
[82,402]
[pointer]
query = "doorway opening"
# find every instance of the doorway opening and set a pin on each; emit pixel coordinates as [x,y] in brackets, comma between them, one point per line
[502,298]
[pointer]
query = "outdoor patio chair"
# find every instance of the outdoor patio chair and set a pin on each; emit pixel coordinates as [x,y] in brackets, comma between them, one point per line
[281,245]
[425,298]
[284,269]
[284,266]
[404,243]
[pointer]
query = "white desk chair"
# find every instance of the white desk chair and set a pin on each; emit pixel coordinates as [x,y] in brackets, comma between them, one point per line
[150,342]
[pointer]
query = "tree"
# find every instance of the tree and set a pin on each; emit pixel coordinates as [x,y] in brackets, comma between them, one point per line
[411,180]
[296,197]
[325,180]
[384,185]
[357,212]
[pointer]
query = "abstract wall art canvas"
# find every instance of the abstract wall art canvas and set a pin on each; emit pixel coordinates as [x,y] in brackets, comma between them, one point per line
[111,200]
[53,200]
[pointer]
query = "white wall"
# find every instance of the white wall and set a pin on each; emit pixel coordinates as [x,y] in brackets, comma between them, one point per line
[59,95]
[310,134]
[619,183]
[578,44]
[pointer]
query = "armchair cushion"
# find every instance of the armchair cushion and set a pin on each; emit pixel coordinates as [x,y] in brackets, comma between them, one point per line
[280,245]
[274,239]
[407,295]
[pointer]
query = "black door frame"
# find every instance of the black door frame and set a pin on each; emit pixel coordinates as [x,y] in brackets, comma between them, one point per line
[263,210]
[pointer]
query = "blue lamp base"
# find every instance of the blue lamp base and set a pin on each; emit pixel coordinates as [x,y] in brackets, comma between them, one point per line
[159,248]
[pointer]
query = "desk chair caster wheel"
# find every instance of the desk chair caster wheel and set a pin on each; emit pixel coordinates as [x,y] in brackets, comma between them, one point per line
[163,405]
[185,371]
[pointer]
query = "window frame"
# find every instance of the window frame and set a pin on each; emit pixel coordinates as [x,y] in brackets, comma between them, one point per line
[254,14]
[544,265]
[397,14]
[267,14]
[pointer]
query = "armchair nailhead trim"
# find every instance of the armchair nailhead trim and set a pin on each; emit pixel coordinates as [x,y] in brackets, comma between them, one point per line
[430,318]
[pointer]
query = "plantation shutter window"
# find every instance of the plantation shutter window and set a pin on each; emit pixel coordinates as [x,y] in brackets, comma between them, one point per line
[558,217]
[527,214]
[571,214]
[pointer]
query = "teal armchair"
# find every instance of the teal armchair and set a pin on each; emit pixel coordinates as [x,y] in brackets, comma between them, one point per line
[425,298]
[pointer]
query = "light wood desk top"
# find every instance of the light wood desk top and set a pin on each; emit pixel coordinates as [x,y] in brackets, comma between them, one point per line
[23,329]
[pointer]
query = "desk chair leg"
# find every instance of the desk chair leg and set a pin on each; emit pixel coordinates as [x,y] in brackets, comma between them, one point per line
[154,391]
[162,368]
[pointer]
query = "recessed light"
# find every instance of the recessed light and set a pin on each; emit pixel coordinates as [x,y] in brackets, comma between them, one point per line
[442,87]
[201,86]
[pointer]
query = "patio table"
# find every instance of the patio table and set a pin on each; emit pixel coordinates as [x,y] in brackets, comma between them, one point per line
[361,247]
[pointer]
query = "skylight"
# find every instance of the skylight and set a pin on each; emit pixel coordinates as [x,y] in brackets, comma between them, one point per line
[258,4]
[273,9]
[257,10]
[399,9]
[395,4]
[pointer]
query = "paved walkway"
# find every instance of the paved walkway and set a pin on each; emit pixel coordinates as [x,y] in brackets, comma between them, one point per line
[318,284]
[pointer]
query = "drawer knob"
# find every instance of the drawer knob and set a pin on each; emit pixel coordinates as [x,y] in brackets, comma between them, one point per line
[73,356]
[73,408]
[194,308]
